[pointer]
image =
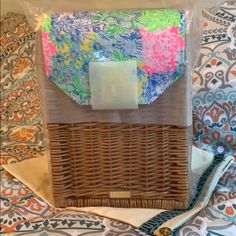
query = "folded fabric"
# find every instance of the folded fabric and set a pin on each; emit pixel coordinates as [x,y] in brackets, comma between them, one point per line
[150,221]
[153,38]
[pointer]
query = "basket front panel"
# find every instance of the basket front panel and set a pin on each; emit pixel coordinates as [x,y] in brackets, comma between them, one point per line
[119,164]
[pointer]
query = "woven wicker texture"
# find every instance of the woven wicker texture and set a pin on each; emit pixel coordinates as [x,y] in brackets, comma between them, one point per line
[120,165]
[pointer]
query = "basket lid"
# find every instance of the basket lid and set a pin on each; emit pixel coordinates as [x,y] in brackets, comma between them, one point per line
[155,39]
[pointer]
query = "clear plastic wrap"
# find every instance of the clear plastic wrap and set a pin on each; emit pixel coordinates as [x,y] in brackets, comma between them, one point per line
[173,107]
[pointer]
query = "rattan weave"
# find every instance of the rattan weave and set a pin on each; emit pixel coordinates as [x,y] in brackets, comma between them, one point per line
[120,165]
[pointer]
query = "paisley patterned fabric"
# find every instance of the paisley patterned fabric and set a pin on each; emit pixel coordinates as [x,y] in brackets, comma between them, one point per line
[21,125]
[153,38]
[214,89]
[215,120]
[214,116]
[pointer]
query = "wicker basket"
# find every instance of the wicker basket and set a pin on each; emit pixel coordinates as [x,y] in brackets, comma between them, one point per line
[120,165]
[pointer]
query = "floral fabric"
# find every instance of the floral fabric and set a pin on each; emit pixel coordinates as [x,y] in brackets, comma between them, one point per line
[21,124]
[153,38]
